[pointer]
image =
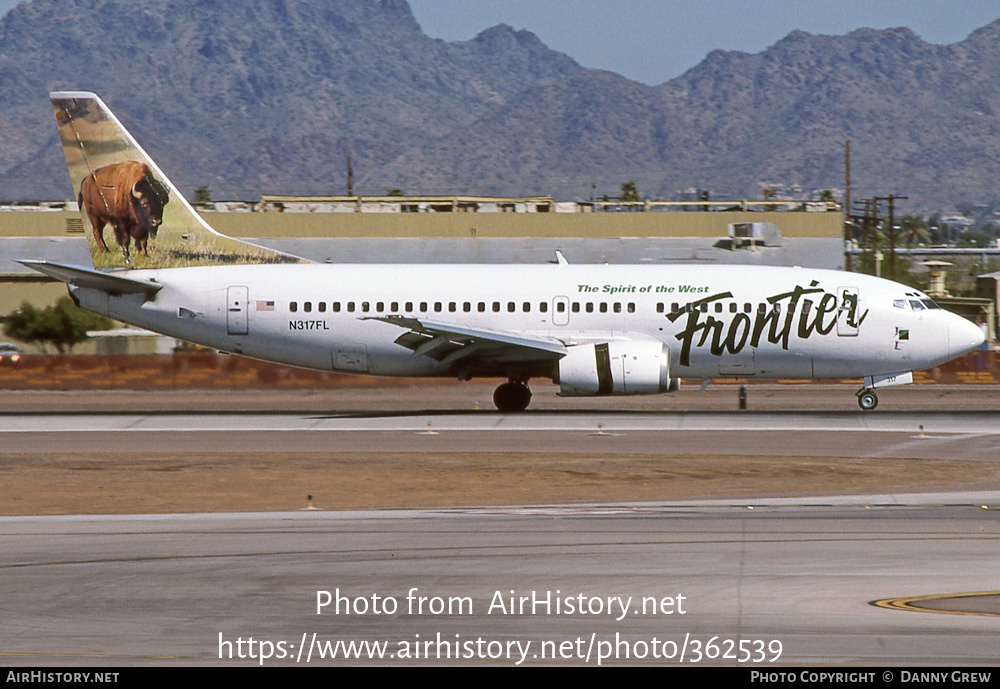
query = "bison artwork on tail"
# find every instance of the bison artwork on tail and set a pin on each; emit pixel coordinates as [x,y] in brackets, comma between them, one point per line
[127,196]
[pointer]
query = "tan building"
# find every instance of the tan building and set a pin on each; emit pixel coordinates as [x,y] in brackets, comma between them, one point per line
[456,229]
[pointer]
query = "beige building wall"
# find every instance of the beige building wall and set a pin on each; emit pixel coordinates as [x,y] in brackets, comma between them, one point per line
[588,225]
[39,291]
[42,292]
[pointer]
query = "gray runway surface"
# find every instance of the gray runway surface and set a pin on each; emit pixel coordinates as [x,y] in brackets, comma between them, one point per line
[795,584]
[793,579]
[951,435]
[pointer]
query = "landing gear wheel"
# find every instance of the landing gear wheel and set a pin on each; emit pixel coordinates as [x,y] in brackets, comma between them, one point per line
[512,397]
[867,400]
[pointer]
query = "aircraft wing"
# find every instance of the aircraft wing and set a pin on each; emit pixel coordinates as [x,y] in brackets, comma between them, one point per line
[450,343]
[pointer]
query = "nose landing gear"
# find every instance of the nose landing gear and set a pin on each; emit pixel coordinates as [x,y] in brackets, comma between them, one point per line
[512,396]
[867,399]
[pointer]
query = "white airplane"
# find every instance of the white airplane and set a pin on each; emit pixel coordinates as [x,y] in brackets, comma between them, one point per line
[593,329]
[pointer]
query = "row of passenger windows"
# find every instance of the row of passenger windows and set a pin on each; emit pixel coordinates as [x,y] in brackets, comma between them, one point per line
[454,306]
[733,307]
[423,306]
[526,307]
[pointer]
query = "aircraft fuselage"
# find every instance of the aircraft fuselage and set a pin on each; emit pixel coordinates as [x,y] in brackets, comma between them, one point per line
[715,321]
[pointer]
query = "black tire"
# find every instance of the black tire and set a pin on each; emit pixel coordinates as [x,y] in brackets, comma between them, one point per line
[512,397]
[867,400]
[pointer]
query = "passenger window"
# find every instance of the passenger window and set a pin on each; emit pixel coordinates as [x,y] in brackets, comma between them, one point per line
[631,307]
[364,307]
[307,307]
[675,307]
[336,307]
[452,307]
[526,306]
[576,307]
[590,307]
[762,308]
[380,306]
[482,307]
[659,308]
[747,307]
[543,306]
[511,307]
[732,307]
[776,308]
[350,306]
[466,306]
[704,308]
[293,307]
[409,306]
[561,307]
[321,306]
[496,307]
[718,307]
[618,307]
[423,307]
[604,307]
[437,307]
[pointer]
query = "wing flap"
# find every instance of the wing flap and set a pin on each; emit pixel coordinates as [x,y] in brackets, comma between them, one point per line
[451,342]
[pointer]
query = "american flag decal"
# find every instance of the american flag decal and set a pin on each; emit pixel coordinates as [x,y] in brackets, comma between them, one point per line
[265,305]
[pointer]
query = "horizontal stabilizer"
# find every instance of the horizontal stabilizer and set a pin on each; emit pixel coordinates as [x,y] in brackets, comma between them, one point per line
[94,279]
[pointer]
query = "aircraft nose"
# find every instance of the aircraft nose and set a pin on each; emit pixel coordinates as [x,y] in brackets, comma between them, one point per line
[963,336]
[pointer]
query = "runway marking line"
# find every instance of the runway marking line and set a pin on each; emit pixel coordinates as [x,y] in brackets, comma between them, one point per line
[911,603]
[131,656]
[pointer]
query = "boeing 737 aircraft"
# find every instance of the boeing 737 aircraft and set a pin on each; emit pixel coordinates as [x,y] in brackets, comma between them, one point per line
[592,329]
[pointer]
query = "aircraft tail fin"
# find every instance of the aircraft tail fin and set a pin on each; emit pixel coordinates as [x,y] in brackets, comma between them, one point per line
[136,217]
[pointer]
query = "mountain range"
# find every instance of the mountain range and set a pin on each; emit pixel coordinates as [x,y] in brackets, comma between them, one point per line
[272,96]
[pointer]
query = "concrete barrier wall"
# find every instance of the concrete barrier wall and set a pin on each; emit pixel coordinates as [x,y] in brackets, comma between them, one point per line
[206,370]
[592,225]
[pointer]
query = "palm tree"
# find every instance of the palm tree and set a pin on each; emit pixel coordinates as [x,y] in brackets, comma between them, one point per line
[913,230]
[629,193]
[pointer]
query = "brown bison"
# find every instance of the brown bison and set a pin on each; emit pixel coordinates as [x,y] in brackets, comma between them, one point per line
[127,196]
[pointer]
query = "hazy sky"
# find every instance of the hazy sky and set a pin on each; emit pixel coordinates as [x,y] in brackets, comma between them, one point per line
[655,40]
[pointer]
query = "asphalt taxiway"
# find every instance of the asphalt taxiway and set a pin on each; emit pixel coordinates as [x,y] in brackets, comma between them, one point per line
[885,577]
[954,435]
[612,584]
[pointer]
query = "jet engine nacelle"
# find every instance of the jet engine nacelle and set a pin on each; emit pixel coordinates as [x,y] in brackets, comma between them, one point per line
[615,368]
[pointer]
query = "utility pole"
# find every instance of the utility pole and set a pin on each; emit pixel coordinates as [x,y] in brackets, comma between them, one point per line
[891,200]
[848,235]
[350,177]
[868,221]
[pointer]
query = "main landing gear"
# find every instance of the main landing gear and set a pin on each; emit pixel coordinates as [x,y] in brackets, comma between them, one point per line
[867,399]
[512,396]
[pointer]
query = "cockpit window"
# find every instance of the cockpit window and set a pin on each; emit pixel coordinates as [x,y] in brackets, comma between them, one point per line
[929,303]
[899,303]
[917,306]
